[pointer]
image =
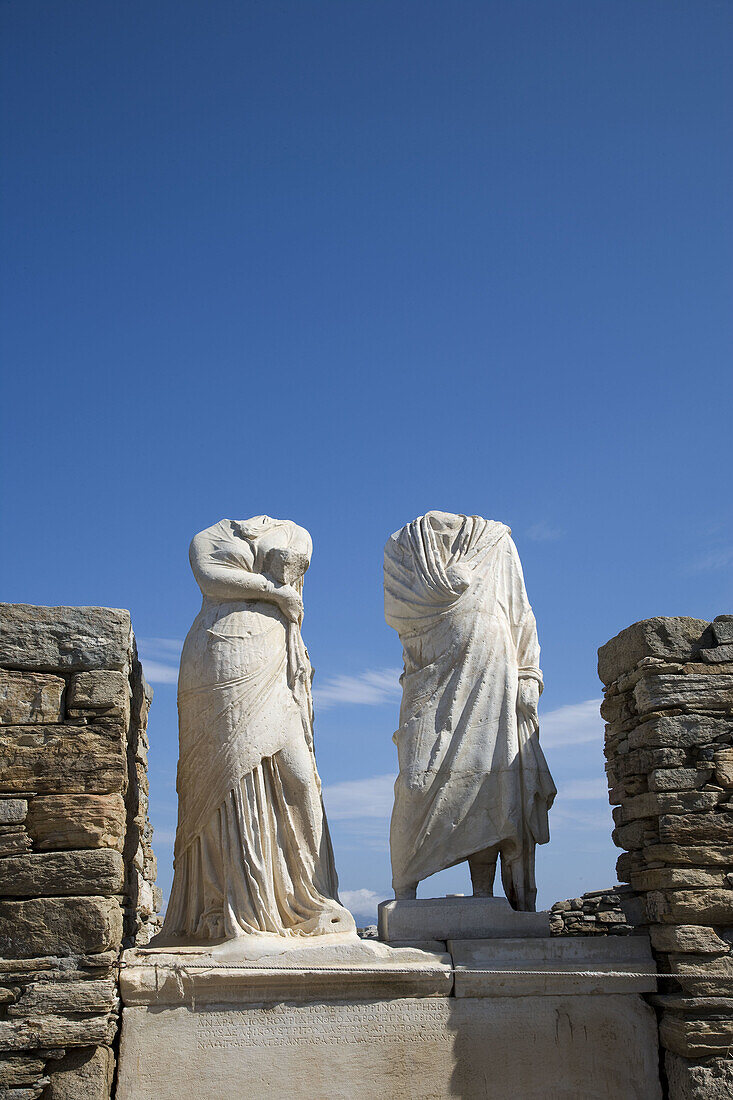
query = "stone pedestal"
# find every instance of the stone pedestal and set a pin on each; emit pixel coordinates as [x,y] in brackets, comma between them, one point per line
[539,1019]
[456,918]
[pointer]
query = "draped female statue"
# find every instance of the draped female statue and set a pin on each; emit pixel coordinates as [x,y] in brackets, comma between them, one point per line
[253,852]
[473,782]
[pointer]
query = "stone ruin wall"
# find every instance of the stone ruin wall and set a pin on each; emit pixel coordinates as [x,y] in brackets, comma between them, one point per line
[669,749]
[612,912]
[77,871]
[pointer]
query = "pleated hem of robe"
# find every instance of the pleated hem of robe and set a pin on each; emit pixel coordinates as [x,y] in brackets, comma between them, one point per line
[247,871]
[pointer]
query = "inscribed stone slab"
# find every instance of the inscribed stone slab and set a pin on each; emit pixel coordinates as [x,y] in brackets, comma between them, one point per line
[536,1048]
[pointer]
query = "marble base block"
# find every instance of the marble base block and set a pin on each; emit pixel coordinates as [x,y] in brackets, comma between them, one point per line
[533,1048]
[255,969]
[262,1019]
[552,966]
[457,919]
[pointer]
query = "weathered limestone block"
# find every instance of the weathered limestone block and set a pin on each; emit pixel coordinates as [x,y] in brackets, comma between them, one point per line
[694,938]
[51,874]
[643,761]
[703,976]
[73,967]
[17,1070]
[683,855]
[618,709]
[14,840]
[723,760]
[636,834]
[668,638]
[61,821]
[678,731]
[98,691]
[71,758]
[722,654]
[676,878]
[722,630]
[700,693]
[676,779]
[59,997]
[30,697]
[711,1079]
[13,811]
[654,804]
[86,1073]
[712,906]
[64,638]
[47,1030]
[696,1038]
[59,926]
[697,829]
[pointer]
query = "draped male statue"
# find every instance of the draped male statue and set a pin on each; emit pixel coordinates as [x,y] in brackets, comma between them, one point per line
[473,782]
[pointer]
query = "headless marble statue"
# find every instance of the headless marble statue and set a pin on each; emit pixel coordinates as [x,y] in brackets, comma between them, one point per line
[253,852]
[473,782]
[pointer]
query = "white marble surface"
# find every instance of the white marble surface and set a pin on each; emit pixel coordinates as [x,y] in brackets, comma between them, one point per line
[260,968]
[553,965]
[473,782]
[253,855]
[418,1048]
[457,918]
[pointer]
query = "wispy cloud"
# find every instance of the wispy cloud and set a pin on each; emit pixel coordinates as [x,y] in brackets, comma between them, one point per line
[544,532]
[713,559]
[595,822]
[358,798]
[362,902]
[157,673]
[371,688]
[159,658]
[164,837]
[583,790]
[574,724]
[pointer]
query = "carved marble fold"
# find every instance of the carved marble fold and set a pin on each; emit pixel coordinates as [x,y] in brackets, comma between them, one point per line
[253,852]
[473,782]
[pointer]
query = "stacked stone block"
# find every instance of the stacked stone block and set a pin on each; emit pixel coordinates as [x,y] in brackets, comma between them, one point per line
[669,749]
[77,870]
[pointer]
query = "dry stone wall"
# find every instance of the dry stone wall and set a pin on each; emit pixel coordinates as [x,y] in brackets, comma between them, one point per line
[77,871]
[669,749]
[612,912]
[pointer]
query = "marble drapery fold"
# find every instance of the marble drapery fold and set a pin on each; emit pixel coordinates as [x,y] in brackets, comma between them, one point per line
[472,776]
[253,851]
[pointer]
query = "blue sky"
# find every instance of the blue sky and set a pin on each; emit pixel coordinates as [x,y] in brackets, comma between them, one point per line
[344,262]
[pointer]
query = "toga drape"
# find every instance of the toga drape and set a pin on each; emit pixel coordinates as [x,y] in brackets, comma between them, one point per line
[471,773]
[252,852]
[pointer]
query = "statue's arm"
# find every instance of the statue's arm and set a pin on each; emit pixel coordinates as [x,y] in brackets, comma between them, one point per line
[222,581]
[523,623]
[524,631]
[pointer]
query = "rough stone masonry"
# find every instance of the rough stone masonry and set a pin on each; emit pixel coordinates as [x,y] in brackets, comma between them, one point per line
[77,871]
[669,749]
